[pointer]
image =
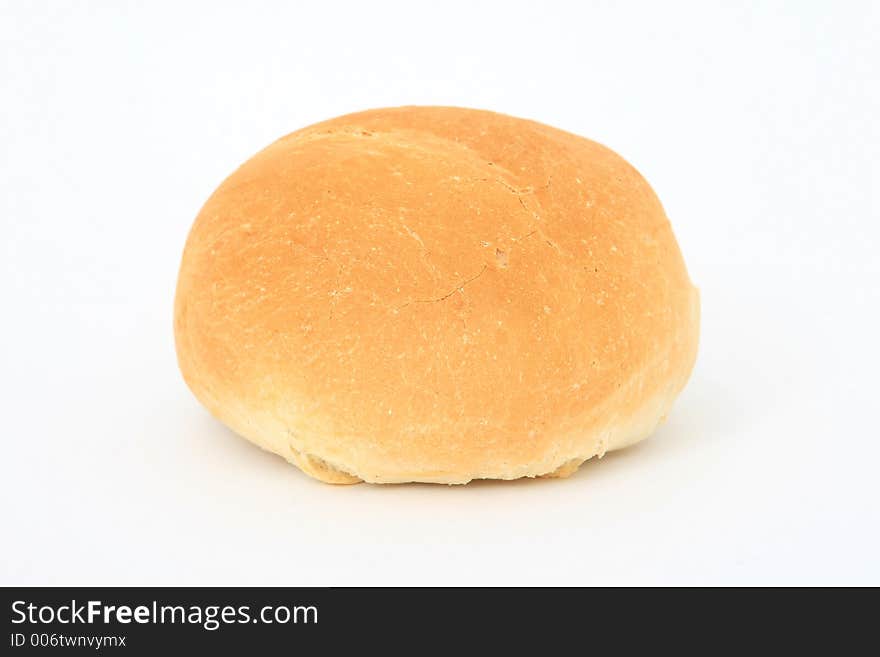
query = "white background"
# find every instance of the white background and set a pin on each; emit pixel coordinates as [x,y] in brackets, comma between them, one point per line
[757,126]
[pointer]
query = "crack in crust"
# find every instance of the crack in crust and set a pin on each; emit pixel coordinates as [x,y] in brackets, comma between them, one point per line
[458,288]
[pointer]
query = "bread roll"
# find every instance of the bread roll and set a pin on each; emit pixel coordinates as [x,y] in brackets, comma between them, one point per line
[435,294]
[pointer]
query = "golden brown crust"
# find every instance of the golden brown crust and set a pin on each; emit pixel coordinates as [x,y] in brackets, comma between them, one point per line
[435,294]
